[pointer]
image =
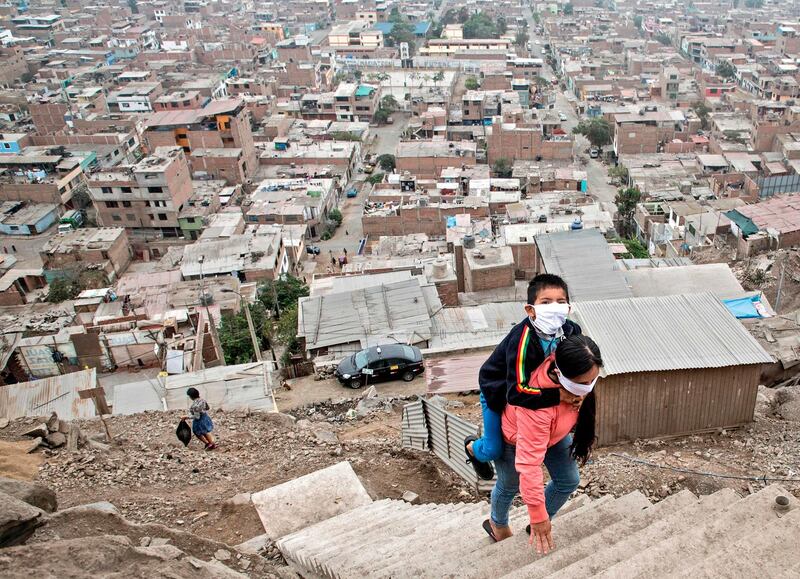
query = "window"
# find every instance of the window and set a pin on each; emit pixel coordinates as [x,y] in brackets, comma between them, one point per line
[190,220]
[155,189]
[116,217]
[126,189]
[104,254]
[112,204]
[126,203]
[130,217]
[131,141]
[6,145]
[162,216]
[105,189]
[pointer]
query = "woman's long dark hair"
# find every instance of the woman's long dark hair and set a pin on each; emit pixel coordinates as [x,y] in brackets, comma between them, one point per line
[576,355]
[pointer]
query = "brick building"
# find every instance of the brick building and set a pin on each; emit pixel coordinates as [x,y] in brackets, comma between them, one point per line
[217,139]
[105,248]
[147,196]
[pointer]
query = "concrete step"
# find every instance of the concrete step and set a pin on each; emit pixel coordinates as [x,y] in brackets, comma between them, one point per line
[355,548]
[515,552]
[325,535]
[430,545]
[472,535]
[567,554]
[772,552]
[652,534]
[697,539]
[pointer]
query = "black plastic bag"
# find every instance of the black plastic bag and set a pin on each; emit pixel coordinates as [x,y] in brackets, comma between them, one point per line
[184,432]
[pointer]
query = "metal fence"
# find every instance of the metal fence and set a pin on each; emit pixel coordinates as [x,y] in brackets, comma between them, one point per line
[428,426]
[771,186]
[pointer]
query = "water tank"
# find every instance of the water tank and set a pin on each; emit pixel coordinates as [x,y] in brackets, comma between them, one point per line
[577,224]
[469,241]
[439,268]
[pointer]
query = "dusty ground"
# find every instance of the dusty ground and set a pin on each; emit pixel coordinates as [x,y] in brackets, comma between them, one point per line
[152,478]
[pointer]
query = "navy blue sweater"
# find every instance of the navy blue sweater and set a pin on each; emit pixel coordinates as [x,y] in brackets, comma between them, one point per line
[503,378]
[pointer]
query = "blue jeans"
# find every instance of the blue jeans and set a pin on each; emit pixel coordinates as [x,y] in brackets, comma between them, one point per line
[564,479]
[490,445]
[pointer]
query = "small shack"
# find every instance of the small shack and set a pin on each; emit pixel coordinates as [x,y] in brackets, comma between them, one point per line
[673,365]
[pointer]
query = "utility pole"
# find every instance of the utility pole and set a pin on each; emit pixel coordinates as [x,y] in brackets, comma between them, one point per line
[256,346]
[780,286]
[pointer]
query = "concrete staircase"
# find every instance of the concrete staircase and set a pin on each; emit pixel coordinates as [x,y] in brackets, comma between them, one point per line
[719,535]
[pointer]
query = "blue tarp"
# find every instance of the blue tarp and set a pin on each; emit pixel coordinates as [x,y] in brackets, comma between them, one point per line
[744,307]
[451,221]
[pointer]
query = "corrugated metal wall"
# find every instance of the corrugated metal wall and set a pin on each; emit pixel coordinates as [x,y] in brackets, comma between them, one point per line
[651,404]
[428,426]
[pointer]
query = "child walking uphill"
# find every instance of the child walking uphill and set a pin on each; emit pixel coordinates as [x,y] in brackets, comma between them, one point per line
[504,376]
[536,437]
[201,421]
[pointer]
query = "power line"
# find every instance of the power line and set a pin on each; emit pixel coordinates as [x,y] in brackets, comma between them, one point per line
[763,478]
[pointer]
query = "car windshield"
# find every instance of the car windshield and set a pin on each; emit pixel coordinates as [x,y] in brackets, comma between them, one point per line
[361,359]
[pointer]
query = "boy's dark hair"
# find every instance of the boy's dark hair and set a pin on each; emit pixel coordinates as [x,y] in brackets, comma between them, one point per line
[544,281]
[193,393]
[576,355]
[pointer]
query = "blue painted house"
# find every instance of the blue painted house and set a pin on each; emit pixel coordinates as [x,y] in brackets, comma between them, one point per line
[12,142]
[20,218]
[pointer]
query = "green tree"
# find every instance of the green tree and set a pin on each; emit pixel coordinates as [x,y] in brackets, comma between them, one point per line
[626,201]
[521,38]
[375,178]
[481,25]
[597,130]
[702,111]
[471,83]
[637,22]
[754,3]
[389,103]
[502,168]
[336,216]
[438,77]
[286,334]
[63,288]
[725,70]
[664,39]
[287,289]
[401,32]
[569,9]
[387,162]
[381,116]
[234,335]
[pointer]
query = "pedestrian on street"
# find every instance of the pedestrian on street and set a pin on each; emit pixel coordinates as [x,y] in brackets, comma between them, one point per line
[333,260]
[345,250]
[14,248]
[346,232]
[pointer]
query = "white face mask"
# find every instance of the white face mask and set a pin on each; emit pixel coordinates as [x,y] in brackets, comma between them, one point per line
[549,317]
[576,388]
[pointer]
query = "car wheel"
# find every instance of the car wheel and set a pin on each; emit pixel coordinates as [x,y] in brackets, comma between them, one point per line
[408,376]
[355,383]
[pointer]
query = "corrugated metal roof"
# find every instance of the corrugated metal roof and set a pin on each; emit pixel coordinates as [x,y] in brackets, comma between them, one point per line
[652,334]
[473,327]
[54,394]
[367,313]
[586,263]
[226,387]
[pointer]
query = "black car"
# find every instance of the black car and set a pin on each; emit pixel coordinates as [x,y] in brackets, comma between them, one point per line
[380,363]
[312,249]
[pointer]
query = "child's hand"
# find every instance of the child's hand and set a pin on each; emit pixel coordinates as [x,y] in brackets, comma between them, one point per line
[570,398]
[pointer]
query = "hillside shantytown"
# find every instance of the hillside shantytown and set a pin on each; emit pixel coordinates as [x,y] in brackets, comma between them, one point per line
[399,288]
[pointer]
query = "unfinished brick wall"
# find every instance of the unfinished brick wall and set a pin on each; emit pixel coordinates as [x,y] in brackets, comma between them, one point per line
[430,220]
[488,278]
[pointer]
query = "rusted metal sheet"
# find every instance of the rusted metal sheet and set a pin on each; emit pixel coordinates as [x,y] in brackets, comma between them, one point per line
[53,394]
[445,437]
[654,404]
[456,373]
